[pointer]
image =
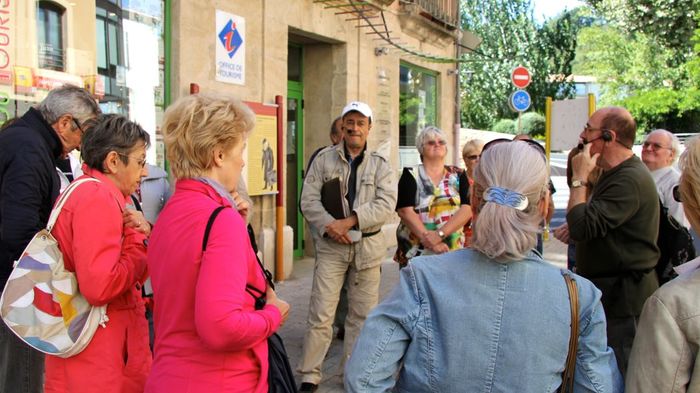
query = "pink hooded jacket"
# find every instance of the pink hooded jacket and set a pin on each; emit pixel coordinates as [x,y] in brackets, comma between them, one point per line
[209,337]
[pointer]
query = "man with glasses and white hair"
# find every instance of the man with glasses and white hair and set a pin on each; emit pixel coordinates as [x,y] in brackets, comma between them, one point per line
[29,185]
[617,227]
[659,151]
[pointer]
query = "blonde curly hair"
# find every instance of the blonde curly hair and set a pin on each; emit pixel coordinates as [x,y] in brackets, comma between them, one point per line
[195,125]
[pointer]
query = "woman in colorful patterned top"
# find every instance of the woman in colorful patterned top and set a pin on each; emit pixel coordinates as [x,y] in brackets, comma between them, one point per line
[433,201]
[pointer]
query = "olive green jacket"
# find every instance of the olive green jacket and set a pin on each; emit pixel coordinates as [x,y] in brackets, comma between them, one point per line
[615,234]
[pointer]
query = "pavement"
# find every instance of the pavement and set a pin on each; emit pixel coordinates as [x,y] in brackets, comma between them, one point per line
[297,289]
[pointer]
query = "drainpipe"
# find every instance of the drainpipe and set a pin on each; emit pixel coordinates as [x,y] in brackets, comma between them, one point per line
[458,111]
[279,209]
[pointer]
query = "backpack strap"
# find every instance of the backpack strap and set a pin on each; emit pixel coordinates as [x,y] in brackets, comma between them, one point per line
[62,200]
[212,217]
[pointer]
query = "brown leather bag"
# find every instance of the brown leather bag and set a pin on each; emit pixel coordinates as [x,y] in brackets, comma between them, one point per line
[567,377]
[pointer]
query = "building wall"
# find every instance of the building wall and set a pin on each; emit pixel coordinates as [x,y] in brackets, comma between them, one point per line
[19,51]
[339,65]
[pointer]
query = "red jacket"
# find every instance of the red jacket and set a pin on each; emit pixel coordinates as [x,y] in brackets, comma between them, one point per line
[110,263]
[209,337]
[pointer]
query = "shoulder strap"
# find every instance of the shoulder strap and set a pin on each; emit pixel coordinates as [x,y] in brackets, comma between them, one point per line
[62,200]
[136,203]
[567,380]
[260,297]
[212,217]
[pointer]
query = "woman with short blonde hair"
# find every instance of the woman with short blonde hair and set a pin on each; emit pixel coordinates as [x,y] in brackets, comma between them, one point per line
[195,125]
[211,328]
[471,151]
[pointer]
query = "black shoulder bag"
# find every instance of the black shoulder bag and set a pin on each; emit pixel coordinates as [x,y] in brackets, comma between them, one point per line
[280,376]
[675,245]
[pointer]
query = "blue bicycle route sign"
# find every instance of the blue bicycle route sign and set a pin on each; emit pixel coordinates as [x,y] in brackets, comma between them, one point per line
[520,100]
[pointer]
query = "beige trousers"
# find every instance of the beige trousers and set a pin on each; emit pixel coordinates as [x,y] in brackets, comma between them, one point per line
[332,262]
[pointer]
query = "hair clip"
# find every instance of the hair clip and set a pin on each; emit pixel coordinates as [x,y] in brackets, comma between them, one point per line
[505,197]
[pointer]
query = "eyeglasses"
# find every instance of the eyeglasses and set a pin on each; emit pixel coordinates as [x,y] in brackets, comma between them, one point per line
[654,146]
[436,143]
[75,121]
[472,157]
[587,128]
[140,162]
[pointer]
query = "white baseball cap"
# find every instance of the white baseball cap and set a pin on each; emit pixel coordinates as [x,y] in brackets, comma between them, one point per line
[358,106]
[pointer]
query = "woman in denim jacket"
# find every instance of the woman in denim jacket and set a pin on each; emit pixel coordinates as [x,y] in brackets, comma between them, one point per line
[494,318]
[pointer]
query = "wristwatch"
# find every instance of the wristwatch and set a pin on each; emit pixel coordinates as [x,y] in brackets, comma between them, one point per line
[441,233]
[578,183]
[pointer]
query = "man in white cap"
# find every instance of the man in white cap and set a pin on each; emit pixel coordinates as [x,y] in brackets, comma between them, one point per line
[349,193]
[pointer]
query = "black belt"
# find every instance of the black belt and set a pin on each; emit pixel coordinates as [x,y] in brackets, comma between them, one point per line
[364,234]
[370,234]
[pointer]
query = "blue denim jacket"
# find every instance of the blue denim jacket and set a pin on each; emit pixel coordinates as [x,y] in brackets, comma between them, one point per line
[460,322]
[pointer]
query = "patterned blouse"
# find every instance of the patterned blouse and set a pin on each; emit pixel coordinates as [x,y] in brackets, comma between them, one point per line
[435,204]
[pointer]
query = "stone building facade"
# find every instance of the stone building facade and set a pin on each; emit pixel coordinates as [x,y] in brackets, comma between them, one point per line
[139,55]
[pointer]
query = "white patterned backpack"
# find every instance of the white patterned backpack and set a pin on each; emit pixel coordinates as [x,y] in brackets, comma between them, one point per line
[41,302]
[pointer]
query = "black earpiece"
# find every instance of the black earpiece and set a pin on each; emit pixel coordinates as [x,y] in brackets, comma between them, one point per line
[606,136]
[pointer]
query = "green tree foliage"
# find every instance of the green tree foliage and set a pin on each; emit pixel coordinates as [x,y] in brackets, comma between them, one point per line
[511,38]
[672,23]
[507,126]
[623,63]
[694,63]
[533,124]
[645,56]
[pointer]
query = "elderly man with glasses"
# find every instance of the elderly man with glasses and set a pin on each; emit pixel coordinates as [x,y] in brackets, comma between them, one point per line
[29,185]
[659,152]
[616,229]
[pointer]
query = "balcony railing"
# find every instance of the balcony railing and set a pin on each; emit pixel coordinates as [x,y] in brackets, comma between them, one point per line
[50,57]
[445,12]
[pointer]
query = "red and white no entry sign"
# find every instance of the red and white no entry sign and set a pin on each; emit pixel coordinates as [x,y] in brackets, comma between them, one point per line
[520,77]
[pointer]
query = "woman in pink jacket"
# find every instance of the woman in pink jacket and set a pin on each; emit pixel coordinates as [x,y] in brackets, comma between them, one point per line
[104,244]
[209,337]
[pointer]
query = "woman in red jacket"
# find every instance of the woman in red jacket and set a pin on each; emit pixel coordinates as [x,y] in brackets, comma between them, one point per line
[104,243]
[210,336]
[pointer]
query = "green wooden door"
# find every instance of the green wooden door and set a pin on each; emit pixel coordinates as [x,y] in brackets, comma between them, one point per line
[295,163]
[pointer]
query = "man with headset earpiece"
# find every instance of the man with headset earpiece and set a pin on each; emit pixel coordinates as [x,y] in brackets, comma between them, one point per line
[616,229]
